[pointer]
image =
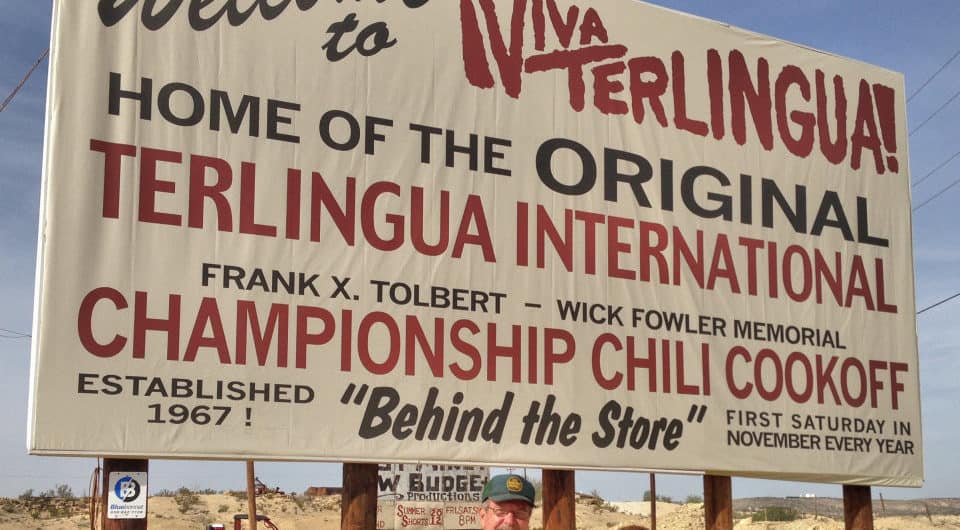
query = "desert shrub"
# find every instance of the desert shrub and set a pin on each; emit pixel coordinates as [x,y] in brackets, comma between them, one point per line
[63,491]
[223,508]
[186,500]
[776,513]
[57,512]
[660,498]
[300,501]
[693,499]
[60,491]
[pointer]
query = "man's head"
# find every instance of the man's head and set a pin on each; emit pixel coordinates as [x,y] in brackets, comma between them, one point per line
[507,503]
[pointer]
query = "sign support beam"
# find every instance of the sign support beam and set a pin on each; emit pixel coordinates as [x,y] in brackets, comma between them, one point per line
[359,508]
[857,508]
[559,502]
[115,465]
[717,502]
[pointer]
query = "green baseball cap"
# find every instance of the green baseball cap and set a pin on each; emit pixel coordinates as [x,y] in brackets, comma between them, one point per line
[502,488]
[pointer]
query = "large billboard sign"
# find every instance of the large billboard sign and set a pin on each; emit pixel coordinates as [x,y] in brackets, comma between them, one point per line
[532,233]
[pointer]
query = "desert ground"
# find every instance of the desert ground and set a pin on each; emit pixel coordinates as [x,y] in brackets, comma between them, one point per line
[297,512]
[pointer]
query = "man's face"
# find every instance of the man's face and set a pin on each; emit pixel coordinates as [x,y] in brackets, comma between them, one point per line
[507,515]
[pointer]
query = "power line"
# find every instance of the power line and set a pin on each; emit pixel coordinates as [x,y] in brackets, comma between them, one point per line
[937,194]
[947,161]
[930,117]
[945,300]
[935,74]
[24,80]
[12,334]
[934,170]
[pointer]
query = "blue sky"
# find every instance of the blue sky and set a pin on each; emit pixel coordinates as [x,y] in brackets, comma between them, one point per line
[915,38]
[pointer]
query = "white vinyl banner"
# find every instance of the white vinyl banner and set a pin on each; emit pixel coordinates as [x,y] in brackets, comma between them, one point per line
[556,233]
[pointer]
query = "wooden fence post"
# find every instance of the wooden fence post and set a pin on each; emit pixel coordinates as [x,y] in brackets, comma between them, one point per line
[653,501]
[116,465]
[857,508]
[359,501]
[251,497]
[717,502]
[559,500]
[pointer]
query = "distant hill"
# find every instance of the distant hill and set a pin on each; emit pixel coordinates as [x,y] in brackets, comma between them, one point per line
[833,507]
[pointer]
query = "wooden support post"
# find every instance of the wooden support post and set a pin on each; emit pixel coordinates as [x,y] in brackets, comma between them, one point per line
[717,503]
[251,497]
[857,508]
[359,502]
[559,501]
[116,465]
[653,501]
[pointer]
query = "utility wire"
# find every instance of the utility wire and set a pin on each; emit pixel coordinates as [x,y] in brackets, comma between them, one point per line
[11,334]
[24,80]
[930,117]
[917,91]
[945,300]
[934,170]
[935,74]
[935,195]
